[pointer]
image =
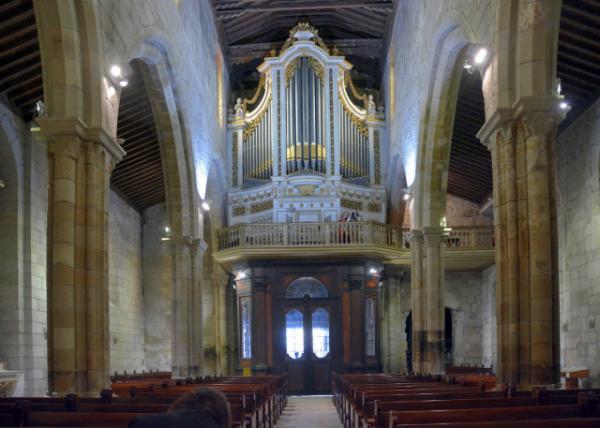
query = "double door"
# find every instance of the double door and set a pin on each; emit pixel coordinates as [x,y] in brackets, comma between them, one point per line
[306,344]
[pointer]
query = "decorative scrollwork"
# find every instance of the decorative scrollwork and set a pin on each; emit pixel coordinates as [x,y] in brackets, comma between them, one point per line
[350,204]
[261,86]
[263,206]
[304,27]
[252,125]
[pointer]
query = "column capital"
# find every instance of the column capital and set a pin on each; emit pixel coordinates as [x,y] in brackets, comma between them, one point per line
[54,128]
[539,115]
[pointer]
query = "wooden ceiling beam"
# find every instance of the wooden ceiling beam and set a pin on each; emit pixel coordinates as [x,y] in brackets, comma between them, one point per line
[580,12]
[305,7]
[14,79]
[7,52]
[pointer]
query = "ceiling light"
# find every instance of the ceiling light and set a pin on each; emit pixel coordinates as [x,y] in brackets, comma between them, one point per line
[480,56]
[123,83]
[205,205]
[373,271]
[115,71]
[564,105]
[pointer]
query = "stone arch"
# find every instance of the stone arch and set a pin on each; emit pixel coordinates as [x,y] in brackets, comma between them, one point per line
[156,70]
[438,118]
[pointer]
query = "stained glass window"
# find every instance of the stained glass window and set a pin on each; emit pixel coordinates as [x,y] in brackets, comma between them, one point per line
[320,332]
[246,328]
[370,327]
[306,286]
[294,333]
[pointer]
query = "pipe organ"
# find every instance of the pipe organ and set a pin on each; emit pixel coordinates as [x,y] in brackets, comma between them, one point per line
[305,151]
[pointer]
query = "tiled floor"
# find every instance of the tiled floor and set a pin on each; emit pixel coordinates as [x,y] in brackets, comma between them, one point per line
[316,411]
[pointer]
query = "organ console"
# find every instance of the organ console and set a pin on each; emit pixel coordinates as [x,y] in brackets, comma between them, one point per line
[301,145]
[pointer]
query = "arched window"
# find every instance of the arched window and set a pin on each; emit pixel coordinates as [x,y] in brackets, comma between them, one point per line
[306,286]
[370,327]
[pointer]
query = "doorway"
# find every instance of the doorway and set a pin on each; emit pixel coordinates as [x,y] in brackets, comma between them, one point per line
[306,326]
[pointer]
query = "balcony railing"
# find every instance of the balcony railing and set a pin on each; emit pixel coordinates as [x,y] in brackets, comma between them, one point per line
[470,237]
[341,234]
[310,235]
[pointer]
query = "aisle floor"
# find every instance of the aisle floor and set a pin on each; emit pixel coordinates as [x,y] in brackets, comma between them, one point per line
[309,411]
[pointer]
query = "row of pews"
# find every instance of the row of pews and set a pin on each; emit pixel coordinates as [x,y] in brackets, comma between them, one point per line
[459,400]
[255,402]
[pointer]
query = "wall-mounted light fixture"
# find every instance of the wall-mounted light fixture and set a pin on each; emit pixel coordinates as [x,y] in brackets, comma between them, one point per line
[2,184]
[205,205]
[373,271]
[406,194]
[118,74]
[167,230]
[477,60]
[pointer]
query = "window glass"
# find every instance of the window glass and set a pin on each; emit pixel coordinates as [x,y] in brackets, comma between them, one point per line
[320,332]
[306,286]
[370,327]
[246,329]
[294,333]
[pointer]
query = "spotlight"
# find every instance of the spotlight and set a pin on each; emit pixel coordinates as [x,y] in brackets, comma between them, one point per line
[123,83]
[241,275]
[205,205]
[480,56]
[115,71]
[373,271]
[468,66]
[564,105]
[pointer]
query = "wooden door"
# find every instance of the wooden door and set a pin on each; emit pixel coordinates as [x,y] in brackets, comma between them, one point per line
[305,342]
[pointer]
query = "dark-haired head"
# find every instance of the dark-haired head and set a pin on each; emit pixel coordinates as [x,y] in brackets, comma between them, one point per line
[211,403]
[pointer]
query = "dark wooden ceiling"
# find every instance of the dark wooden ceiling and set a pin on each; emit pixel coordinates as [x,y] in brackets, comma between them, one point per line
[578,63]
[21,82]
[139,176]
[250,29]
[470,170]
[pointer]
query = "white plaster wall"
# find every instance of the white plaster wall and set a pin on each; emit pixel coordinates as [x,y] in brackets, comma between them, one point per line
[126,311]
[158,291]
[23,225]
[578,183]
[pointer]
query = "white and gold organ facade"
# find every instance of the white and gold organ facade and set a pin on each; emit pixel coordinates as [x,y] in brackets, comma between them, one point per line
[307,147]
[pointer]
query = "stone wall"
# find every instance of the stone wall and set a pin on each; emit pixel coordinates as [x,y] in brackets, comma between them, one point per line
[578,183]
[158,292]
[488,313]
[469,297]
[126,309]
[463,298]
[461,212]
[23,225]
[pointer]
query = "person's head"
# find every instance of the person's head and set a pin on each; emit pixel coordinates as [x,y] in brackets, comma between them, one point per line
[211,403]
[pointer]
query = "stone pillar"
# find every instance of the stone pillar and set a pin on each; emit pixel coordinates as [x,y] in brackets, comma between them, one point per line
[220,281]
[521,144]
[427,279]
[433,290]
[186,335]
[415,239]
[80,163]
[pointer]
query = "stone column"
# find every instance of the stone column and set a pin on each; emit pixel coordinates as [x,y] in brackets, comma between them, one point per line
[220,281]
[186,335]
[80,163]
[521,144]
[433,290]
[419,336]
